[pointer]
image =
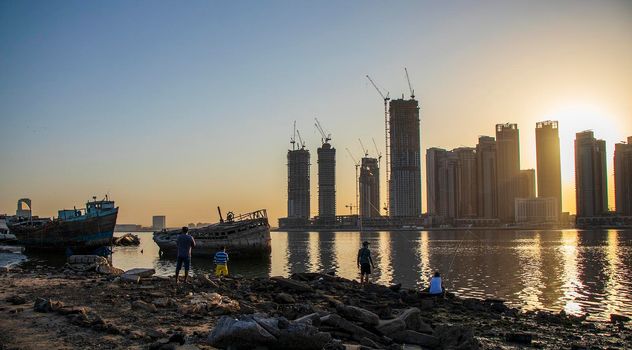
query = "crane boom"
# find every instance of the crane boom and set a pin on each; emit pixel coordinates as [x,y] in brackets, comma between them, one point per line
[412,92]
[300,140]
[325,137]
[365,150]
[352,157]
[377,150]
[385,98]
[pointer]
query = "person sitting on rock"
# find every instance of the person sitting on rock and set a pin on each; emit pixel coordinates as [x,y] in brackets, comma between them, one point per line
[365,263]
[436,285]
[221,262]
[184,242]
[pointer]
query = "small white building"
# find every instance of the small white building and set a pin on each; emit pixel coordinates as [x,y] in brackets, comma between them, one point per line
[536,210]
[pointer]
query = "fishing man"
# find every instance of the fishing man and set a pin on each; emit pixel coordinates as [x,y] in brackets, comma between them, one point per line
[221,262]
[365,263]
[184,242]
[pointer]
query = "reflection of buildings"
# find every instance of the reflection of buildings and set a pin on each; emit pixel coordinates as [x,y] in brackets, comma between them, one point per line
[591,189]
[486,177]
[547,142]
[326,183]
[369,188]
[159,222]
[623,177]
[507,169]
[405,181]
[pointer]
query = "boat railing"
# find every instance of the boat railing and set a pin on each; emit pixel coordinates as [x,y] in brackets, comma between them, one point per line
[258,214]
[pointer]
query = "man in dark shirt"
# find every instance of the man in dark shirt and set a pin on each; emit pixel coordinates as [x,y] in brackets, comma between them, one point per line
[365,263]
[184,242]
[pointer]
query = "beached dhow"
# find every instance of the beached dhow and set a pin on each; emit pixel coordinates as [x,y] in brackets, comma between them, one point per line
[244,234]
[77,229]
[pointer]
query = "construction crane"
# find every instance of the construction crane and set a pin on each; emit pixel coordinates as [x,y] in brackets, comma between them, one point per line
[325,137]
[364,150]
[357,166]
[350,206]
[387,143]
[300,140]
[377,151]
[412,92]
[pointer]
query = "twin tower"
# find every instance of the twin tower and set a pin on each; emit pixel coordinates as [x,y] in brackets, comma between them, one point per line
[403,176]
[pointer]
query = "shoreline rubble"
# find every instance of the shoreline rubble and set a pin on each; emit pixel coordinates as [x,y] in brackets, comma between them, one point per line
[87,304]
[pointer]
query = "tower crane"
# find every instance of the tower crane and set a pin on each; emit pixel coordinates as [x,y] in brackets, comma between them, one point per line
[300,140]
[293,138]
[364,150]
[377,151]
[387,143]
[412,92]
[325,137]
[357,166]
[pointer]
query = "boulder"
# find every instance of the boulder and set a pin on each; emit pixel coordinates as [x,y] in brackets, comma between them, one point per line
[614,318]
[461,337]
[106,269]
[313,319]
[416,338]
[356,331]
[229,332]
[163,302]
[413,321]
[143,273]
[87,260]
[73,310]
[289,284]
[387,327]
[302,335]
[47,305]
[520,338]
[141,305]
[354,313]
[284,298]
[272,325]
[16,300]
[130,278]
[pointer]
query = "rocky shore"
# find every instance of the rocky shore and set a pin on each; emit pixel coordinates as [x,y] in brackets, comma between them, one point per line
[87,305]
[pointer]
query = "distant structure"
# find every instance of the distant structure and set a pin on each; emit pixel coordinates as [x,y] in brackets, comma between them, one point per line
[448,186]
[547,144]
[159,222]
[526,183]
[405,175]
[326,178]
[298,193]
[623,177]
[466,182]
[487,200]
[369,188]
[434,156]
[507,169]
[591,188]
[23,212]
[537,210]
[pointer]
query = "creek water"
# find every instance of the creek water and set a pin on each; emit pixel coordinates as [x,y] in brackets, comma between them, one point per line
[580,272]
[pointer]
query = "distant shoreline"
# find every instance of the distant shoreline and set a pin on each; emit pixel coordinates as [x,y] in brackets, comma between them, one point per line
[374,229]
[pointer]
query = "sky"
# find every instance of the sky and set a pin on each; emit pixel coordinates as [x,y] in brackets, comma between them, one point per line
[173,108]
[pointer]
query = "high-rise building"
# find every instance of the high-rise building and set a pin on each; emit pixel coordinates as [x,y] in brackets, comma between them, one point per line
[507,169]
[623,177]
[487,206]
[298,195]
[537,210]
[433,158]
[326,182]
[466,182]
[369,188]
[158,222]
[547,144]
[405,181]
[448,185]
[526,183]
[591,188]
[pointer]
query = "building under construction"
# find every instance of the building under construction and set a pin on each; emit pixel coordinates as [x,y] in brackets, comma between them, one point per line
[369,188]
[326,183]
[405,174]
[298,194]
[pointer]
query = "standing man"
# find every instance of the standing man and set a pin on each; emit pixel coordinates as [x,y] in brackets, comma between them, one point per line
[365,263]
[184,242]
[221,262]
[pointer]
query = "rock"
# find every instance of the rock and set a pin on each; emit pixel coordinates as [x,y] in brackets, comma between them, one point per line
[272,325]
[16,300]
[284,298]
[47,305]
[72,310]
[141,305]
[302,335]
[229,332]
[143,273]
[413,321]
[356,331]
[614,318]
[205,280]
[289,284]
[177,338]
[460,337]
[387,327]
[427,304]
[369,343]
[163,302]
[416,338]
[313,319]
[130,278]
[87,260]
[109,270]
[353,313]
[520,338]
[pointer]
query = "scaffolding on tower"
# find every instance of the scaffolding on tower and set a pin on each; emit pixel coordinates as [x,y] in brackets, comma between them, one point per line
[387,153]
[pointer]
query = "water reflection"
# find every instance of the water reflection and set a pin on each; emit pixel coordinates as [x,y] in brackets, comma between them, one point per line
[577,271]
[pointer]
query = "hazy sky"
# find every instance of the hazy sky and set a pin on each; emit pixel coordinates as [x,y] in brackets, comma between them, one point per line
[174,108]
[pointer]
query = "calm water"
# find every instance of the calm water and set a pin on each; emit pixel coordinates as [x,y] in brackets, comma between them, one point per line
[577,271]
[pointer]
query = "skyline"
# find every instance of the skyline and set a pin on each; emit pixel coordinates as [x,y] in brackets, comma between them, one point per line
[177,119]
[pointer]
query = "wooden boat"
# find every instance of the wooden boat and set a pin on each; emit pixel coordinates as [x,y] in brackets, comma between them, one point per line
[246,234]
[77,229]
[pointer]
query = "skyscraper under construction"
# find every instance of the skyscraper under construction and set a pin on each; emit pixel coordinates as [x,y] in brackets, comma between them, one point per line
[369,188]
[298,195]
[405,175]
[326,183]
